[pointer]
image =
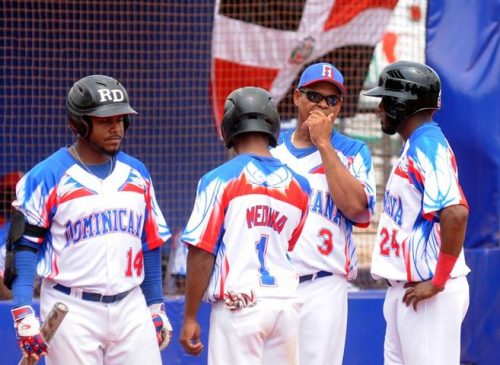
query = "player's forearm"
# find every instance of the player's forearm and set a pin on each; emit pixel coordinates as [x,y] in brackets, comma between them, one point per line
[453,223]
[22,287]
[152,286]
[346,191]
[199,268]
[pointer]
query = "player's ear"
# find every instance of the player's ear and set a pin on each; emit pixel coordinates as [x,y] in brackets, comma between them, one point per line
[296,97]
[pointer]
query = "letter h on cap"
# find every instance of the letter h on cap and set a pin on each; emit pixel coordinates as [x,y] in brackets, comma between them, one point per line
[327,71]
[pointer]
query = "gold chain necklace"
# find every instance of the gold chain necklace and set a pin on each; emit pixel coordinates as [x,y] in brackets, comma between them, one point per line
[75,152]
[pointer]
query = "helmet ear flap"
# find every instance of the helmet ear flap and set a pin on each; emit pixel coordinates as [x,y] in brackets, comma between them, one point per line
[80,126]
[126,122]
[395,108]
[399,111]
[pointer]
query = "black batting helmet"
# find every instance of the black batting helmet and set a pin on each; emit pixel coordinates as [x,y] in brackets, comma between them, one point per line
[250,109]
[97,96]
[409,87]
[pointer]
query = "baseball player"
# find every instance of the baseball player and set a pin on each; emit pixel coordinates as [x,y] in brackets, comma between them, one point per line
[248,214]
[88,222]
[422,225]
[340,172]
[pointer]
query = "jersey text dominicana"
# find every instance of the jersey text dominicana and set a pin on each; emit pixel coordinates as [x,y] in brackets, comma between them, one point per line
[326,242]
[249,213]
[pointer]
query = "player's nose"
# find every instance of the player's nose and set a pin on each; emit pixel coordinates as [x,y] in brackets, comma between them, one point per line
[323,104]
[116,125]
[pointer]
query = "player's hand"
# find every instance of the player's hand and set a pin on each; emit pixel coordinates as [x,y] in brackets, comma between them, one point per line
[235,301]
[320,127]
[418,291]
[190,337]
[162,324]
[28,334]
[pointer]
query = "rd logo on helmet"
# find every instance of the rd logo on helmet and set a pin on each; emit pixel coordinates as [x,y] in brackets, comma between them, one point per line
[115,95]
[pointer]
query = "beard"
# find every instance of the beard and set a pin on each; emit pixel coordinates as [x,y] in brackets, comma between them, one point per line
[389,129]
[389,125]
[99,148]
[111,153]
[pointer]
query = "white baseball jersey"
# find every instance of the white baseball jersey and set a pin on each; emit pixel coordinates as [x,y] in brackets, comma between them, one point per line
[97,229]
[248,213]
[326,243]
[423,181]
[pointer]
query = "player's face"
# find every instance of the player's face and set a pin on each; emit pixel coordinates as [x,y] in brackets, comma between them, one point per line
[387,123]
[306,99]
[107,134]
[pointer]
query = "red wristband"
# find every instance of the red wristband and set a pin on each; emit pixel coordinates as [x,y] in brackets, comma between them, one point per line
[444,266]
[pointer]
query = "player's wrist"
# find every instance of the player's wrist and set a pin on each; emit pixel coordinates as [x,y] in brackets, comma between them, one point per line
[443,270]
[157,307]
[324,145]
[21,312]
[190,318]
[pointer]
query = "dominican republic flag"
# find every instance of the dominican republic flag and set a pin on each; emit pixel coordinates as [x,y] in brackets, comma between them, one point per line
[267,44]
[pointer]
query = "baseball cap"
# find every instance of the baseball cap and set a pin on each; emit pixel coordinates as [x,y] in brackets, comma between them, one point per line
[323,71]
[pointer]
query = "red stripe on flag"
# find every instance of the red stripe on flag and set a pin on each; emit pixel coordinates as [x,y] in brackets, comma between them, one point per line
[345,10]
[230,75]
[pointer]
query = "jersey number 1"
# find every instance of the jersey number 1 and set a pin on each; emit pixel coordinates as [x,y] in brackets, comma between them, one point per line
[266,279]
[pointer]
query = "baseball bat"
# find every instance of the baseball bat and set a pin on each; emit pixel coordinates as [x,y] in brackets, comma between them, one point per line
[48,328]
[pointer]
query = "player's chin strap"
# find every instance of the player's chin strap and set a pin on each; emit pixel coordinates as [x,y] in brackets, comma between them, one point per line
[18,228]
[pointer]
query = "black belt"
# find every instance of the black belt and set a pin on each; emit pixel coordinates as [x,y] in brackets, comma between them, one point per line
[318,275]
[94,297]
[392,282]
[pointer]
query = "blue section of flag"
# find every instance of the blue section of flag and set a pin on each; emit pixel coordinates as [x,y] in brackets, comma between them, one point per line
[463,47]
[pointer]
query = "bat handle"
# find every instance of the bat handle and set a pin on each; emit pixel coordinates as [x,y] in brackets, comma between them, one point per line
[57,314]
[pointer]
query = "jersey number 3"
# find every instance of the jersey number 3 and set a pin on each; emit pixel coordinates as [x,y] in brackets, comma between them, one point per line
[326,246]
[266,279]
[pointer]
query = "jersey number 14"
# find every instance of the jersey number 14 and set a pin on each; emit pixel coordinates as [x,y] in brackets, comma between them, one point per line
[134,263]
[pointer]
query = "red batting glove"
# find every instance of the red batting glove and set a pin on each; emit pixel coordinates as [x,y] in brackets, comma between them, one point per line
[28,334]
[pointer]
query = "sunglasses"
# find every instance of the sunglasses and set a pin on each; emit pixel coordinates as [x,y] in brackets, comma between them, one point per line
[316,97]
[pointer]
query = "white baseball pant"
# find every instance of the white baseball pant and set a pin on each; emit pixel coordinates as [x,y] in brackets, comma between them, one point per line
[323,320]
[430,335]
[264,334]
[96,333]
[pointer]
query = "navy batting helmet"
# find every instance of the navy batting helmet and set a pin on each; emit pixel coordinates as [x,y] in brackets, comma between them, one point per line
[250,109]
[97,96]
[408,87]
